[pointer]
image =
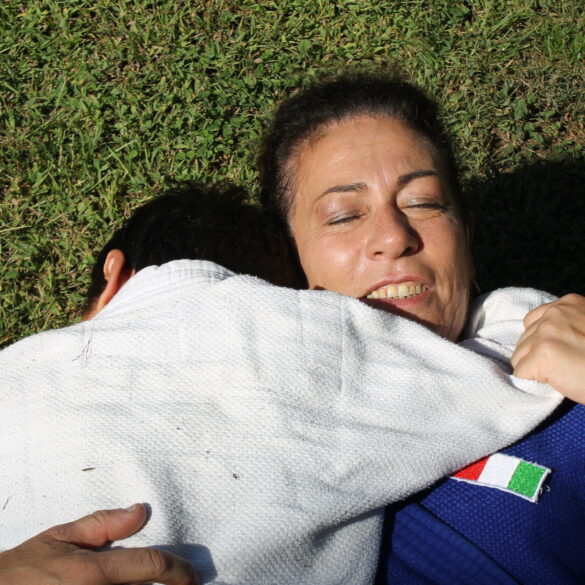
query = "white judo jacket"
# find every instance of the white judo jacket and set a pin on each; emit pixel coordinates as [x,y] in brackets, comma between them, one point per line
[266,427]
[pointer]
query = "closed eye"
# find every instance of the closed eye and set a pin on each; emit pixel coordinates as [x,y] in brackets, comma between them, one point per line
[427,205]
[343,219]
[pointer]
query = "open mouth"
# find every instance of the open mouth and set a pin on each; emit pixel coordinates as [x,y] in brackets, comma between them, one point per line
[403,290]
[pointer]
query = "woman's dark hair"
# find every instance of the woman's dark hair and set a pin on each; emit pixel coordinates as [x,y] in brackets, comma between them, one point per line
[192,221]
[305,114]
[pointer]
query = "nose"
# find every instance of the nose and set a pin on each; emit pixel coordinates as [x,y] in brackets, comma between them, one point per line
[392,235]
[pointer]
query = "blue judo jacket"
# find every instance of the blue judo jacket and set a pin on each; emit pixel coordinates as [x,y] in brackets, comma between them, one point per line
[460,533]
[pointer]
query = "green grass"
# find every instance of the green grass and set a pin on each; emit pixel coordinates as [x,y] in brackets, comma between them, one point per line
[103,103]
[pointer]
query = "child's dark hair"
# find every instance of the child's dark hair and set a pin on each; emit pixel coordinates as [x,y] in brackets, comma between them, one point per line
[308,112]
[192,221]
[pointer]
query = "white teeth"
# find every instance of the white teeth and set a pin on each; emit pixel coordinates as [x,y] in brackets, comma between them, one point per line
[400,291]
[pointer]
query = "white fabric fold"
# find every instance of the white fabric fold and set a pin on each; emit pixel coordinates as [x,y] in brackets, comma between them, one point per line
[267,428]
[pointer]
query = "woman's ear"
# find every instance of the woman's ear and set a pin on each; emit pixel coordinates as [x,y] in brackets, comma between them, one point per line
[116,274]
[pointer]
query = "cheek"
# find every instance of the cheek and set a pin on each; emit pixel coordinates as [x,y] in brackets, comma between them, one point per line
[463,263]
[452,264]
[452,254]
[330,263]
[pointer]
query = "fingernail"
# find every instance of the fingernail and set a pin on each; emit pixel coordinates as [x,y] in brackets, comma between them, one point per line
[132,508]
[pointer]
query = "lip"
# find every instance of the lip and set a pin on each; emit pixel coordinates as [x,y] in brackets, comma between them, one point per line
[399,279]
[407,307]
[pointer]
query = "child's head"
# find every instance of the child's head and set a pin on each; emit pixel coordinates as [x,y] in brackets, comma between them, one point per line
[193,222]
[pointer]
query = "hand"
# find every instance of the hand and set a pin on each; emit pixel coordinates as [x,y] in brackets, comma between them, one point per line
[63,555]
[552,348]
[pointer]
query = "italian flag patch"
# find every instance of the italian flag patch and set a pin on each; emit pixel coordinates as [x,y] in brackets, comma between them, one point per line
[506,473]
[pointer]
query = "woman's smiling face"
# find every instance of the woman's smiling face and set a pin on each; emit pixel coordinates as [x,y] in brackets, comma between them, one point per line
[372,218]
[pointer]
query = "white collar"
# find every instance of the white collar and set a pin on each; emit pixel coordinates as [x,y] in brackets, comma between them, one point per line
[163,280]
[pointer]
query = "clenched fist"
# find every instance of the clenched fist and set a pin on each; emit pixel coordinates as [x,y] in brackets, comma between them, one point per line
[552,348]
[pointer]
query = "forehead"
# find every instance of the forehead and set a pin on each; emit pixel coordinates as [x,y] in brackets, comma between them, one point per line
[353,128]
[358,149]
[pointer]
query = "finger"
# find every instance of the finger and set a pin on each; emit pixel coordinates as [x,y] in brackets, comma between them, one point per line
[523,346]
[545,322]
[519,363]
[536,314]
[574,300]
[101,527]
[530,367]
[516,357]
[568,308]
[145,565]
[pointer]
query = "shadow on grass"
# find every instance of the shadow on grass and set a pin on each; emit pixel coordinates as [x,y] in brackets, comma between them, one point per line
[530,228]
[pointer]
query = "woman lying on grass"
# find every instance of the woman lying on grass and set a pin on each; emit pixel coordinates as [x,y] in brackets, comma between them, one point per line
[363,177]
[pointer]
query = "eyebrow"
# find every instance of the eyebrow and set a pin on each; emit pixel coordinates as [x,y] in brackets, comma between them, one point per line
[349,188]
[405,179]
